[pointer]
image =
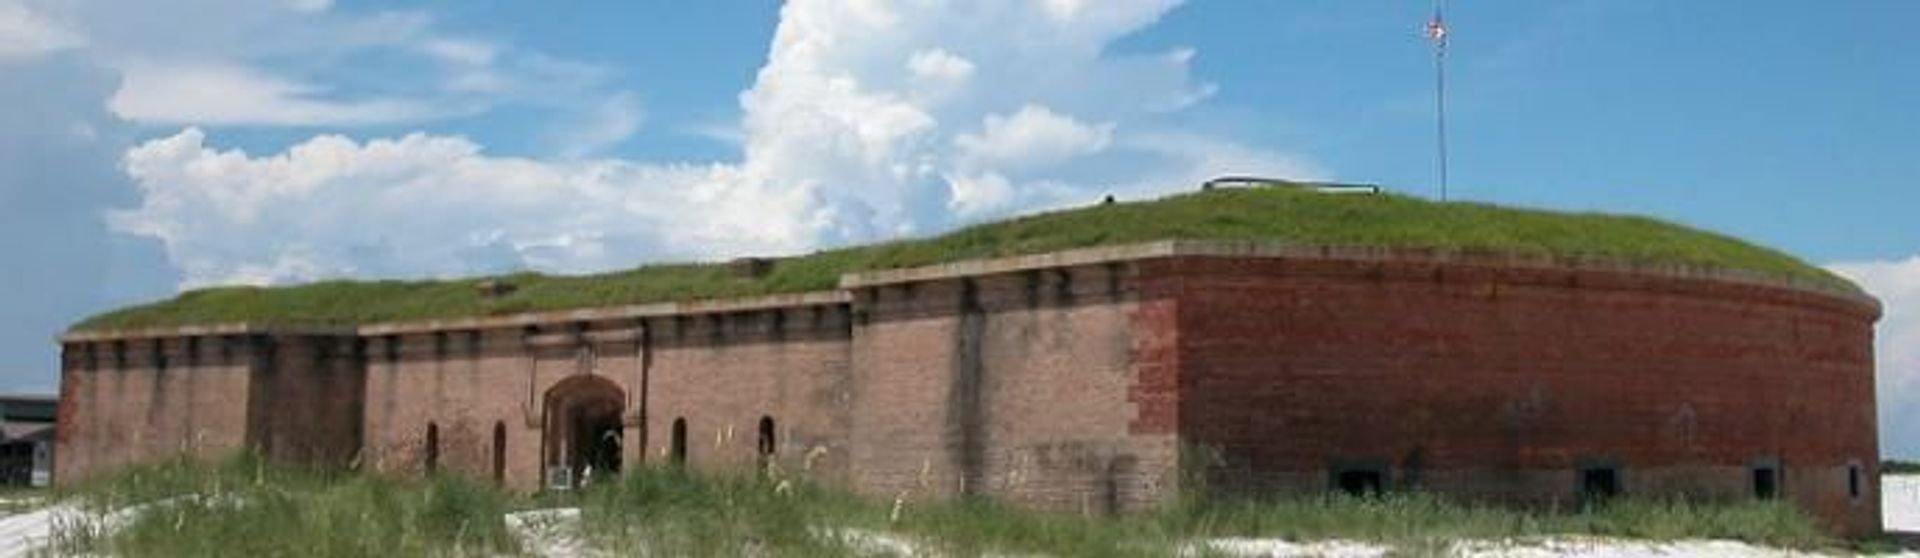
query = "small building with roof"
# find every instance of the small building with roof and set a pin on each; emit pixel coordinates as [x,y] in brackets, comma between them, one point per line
[26,439]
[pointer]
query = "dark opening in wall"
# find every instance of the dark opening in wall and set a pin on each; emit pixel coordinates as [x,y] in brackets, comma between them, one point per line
[1766,483]
[499,452]
[433,448]
[1766,477]
[1598,483]
[1360,483]
[1854,489]
[677,445]
[1360,480]
[767,445]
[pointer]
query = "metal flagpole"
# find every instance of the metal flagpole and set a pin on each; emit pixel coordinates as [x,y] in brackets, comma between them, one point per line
[1437,32]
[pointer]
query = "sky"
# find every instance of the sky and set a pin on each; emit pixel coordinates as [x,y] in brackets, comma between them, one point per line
[150,147]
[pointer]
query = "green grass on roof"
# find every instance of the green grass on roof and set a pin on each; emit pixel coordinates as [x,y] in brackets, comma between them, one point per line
[1261,214]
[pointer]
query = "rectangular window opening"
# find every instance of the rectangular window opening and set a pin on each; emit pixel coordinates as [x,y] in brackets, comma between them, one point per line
[1853,481]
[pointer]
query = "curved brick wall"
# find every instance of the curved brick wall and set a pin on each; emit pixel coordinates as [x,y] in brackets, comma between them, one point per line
[1502,379]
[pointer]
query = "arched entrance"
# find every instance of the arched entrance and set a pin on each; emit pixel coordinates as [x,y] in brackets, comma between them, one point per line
[582,437]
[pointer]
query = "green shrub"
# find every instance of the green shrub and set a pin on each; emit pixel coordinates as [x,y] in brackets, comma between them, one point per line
[1898,467]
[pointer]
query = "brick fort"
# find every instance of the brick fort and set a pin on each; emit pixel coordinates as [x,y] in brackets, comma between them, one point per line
[1105,378]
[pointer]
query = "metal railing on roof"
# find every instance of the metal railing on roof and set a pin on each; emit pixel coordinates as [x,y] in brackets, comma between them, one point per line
[1265,182]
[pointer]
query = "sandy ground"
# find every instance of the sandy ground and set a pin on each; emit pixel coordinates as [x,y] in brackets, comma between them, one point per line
[22,532]
[555,533]
[550,533]
[1900,503]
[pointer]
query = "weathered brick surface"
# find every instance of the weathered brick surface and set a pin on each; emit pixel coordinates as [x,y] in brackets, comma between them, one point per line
[305,400]
[1483,381]
[1074,381]
[465,385]
[723,373]
[1013,385]
[144,400]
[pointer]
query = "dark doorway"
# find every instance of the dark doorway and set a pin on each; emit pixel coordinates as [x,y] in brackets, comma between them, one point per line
[583,431]
[767,444]
[1766,482]
[677,451]
[433,448]
[499,452]
[1360,483]
[1599,484]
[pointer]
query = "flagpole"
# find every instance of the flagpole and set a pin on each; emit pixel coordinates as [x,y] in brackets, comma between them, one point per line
[1437,31]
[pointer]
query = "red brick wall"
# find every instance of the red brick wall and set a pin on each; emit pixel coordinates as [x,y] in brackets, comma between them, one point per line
[464,384]
[305,400]
[722,373]
[145,400]
[1497,382]
[1016,385]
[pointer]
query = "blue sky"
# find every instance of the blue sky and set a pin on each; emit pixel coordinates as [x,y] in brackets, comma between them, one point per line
[267,142]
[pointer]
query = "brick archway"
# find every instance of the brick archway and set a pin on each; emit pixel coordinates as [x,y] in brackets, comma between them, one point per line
[582,431]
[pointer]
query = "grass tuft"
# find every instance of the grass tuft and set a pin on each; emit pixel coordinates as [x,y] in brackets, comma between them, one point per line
[244,507]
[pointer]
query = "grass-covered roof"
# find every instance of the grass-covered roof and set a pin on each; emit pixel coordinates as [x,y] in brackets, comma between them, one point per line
[1282,215]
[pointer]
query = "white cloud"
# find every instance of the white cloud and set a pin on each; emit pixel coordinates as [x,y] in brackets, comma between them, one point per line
[864,123]
[302,63]
[1064,9]
[940,66]
[1033,136]
[432,205]
[1896,347]
[610,121]
[310,5]
[974,195]
[220,95]
[24,33]
[461,51]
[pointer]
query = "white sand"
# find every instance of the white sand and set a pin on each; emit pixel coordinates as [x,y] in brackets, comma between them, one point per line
[21,533]
[1900,503]
[549,533]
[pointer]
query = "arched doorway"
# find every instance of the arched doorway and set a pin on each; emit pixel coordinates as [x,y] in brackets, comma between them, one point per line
[766,445]
[677,452]
[583,431]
